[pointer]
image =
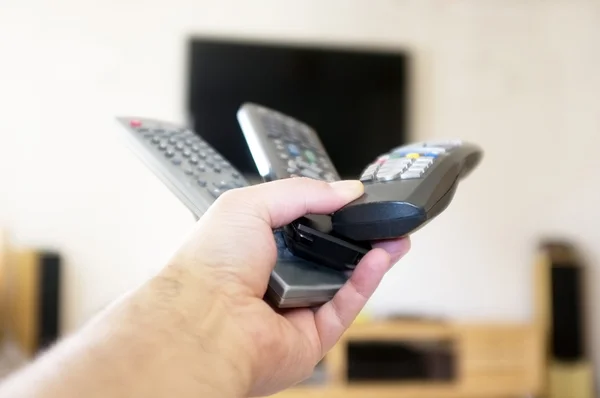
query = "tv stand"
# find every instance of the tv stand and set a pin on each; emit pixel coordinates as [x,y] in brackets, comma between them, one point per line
[456,361]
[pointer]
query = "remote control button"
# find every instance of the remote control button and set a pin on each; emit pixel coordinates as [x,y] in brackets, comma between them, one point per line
[194,160]
[324,162]
[155,139]
[310,174]
[135,123]
[172,140]
[195,148]
[201,182]
[409,175]
[222,184]
[215,192]
[382,159]
[329,177]
[217,169]
[179,145]
[284,156]
[424,151]
[163,144]
[422,163]
[302,164]
[188,170]
[387,175]
[187,152]
[293,150]
[369,173]
[310,155]
[170,152]
[176,161]
[235,175]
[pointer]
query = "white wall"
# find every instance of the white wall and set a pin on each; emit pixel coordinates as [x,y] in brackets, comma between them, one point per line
[521,78]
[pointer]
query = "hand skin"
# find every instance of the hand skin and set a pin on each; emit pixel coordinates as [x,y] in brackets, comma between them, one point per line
[200,327]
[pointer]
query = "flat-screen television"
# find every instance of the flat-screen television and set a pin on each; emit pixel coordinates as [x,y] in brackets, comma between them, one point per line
[356,99]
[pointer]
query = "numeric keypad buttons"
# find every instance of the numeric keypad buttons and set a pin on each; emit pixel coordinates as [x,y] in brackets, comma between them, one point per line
[193,157]
[405,163]
[297,147]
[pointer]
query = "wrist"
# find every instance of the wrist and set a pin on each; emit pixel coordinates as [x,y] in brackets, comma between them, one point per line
[204,344]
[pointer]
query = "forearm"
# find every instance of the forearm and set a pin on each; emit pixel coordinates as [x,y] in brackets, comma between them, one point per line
[142,347]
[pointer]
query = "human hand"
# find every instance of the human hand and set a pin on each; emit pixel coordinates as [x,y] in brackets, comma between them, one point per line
[200,327]
[231,253]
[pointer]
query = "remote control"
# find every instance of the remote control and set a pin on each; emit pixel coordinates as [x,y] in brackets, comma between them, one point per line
[283,146]
[405,189]
[197,174]
[193,170]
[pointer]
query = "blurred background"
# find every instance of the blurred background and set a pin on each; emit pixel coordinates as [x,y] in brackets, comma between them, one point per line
[519,78]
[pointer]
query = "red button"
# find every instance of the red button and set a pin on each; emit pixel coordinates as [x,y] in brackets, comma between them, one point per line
[135,123]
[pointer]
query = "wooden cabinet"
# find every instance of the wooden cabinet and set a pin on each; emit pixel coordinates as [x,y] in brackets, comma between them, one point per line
[491,360]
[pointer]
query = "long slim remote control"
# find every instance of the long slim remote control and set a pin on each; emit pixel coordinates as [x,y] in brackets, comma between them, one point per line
[406,188]
[197,174]
[283,146]
[191,168]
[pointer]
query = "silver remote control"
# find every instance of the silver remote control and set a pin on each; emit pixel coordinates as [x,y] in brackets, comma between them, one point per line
[282,146]
[191,168]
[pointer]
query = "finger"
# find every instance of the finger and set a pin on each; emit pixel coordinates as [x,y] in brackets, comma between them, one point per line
[280,202]
[396,248]
[334,317]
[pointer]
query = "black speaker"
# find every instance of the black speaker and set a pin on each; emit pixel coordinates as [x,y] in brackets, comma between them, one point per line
[49,299]
[32,291]
[566,337]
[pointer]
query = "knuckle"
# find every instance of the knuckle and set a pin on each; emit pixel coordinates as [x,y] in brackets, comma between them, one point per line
[229,198]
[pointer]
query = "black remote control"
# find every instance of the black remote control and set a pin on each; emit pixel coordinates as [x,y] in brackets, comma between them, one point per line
[197,174]
[283,146]
[405,189]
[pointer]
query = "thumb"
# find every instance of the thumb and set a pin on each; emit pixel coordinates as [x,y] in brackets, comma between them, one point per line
[280,202]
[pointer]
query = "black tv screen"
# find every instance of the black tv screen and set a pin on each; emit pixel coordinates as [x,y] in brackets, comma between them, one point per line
[356,100]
